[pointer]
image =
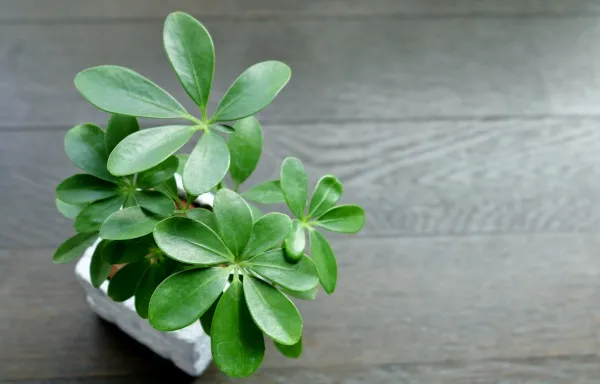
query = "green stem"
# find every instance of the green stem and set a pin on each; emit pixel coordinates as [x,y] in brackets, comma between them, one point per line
[195,120]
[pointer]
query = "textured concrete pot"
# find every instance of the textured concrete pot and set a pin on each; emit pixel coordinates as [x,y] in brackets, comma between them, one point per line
[187,348]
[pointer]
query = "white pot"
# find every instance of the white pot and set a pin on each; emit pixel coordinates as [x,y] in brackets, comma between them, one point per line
[187,348]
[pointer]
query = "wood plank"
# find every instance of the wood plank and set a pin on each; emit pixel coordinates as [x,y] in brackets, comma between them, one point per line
[397,301]
[572,369]
[29,10]
[414,179]
[351,70]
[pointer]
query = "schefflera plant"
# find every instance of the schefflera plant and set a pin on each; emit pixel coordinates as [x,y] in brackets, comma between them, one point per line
[232,268]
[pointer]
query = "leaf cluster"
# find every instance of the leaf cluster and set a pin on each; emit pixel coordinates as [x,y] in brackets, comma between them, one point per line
[231,267]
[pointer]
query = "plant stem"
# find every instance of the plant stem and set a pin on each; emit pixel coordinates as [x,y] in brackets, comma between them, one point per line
[196,120]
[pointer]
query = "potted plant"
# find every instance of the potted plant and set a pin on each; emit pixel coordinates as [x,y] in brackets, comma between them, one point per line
[229,267]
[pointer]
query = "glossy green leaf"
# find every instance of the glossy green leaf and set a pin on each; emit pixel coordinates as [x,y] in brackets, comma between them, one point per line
[99,268]
[237,344]
[73,247]
[128,251]
[324,259]
[327,193]
[256,212]
[155,202]
[183,297]
[245,147]
[253,90]
[84,144]
[120,90]
[207,318]
[154,275]
[291,351]
[83,189]
[311,294]
[118,128]
[267,232]
[190,241]
[207,165]
[130,201]
[268,192]
[222,128]
[272,311]
[91,217]
[343,218]
[294,184]
[295,242]
[191,53]
[204,216]
[169,188]
[272,265]
[123,284]
[234,219]
[157,174]
[128,223]
[182,159]
[147,148]
[69,211]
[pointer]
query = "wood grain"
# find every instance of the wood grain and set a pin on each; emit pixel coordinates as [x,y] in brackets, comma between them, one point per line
[568,369]
[428,300]
[37,10]
[414,179]
[349,70]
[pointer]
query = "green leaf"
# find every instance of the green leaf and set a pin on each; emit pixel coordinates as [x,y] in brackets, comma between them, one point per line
[130,201]
[147,148]
[268,192]
[118,128]
[245,147]
[272,265]
[69,211]
[234,219]
[327,193]
[91,217]
[272,311]
[120,90]
[128,251]
[123,284]
[190,241]
[155,202]
[73,247]
[84,144]
[157,174]
[324,259]
[183,297]
[152,277]
[294,184]
[311,294]
[99,269]
[207,318]
[295,242]
[207,165]
[256,212]
[169,188]
[191,53]
[291,351]
[182,160]
[237,344]
[253,90]
[222,128]
[343,218]
[204,216]
[83,189]
[267,232]
[128,223]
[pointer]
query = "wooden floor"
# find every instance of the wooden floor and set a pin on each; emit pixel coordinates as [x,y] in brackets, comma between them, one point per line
[469,130]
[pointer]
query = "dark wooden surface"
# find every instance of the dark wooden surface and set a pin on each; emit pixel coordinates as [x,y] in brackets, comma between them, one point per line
[469,130]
